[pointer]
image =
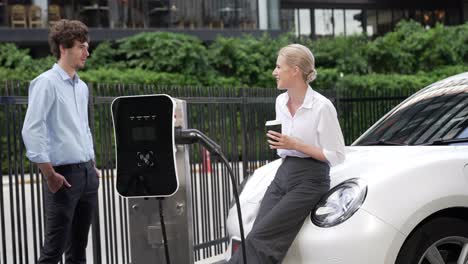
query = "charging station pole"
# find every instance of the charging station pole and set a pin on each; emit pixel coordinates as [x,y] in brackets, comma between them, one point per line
[144,219]
[153,172]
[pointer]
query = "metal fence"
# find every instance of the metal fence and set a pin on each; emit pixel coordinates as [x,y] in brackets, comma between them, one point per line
[234,118]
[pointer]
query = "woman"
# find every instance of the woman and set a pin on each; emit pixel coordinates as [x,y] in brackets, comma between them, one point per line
[311,141]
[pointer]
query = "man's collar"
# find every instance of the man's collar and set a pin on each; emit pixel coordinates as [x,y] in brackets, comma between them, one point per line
[64,74]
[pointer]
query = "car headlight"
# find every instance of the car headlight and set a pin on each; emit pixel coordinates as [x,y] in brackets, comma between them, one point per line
[340,203]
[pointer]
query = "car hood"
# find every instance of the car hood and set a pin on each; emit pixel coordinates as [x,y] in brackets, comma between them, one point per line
[367,162]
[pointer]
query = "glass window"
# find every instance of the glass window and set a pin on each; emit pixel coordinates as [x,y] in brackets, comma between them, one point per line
[465,12]
[273,14]
[399,15]
[384,21]
[456,125]
[439,16]
[248,14]
[453,16]
[338,22]
[159,13]
[287,19]
[440,113]
[439,122]
[92,13]
[323,22]
[464,134]
[428,18]
[418,16]
[371,22]
[302,21]
[353,22]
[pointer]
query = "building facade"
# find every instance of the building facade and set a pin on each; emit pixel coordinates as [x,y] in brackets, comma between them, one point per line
[318,18]
[25,22]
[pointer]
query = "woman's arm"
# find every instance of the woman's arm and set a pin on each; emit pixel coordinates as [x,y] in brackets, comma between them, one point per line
[280,141]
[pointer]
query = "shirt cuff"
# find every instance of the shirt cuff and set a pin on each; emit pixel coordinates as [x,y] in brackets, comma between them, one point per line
[38,157]
[333,157]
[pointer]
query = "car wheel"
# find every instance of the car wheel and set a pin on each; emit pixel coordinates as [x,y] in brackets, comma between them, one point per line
[442,241]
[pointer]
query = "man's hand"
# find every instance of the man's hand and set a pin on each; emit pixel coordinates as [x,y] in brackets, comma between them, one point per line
[97,172]
[95,169]
[55,181]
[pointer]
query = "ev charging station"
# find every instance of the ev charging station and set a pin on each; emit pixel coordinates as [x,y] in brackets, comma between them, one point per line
[153,172]
[151,167]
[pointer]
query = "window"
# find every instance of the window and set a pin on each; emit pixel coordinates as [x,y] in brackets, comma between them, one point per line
[371,22]
[302,22]
[353,19]
[399,15]
[433,114]
[453,16]
[323,22]
[384,21]
[338,22]
[465,12]
[287,19]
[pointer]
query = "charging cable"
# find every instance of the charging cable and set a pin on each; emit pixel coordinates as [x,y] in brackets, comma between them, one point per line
[190,136]
[163,229]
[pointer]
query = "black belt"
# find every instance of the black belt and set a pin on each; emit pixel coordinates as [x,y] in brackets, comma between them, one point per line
[75,166]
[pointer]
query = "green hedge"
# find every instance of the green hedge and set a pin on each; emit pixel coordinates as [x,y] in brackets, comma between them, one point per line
[410,56]
[398,81]
[326,78]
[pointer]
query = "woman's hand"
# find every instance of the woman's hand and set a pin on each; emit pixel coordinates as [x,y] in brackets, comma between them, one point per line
[280,141]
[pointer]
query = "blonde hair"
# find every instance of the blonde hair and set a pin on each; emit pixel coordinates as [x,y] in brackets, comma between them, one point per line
[300,56]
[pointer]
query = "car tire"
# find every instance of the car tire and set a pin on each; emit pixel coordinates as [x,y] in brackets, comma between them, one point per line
[439,239]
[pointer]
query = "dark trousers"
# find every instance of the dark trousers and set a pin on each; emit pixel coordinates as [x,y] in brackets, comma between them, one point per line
[69,213]
[298,186]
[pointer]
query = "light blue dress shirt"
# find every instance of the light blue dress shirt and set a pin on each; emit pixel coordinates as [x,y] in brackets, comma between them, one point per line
[56,126]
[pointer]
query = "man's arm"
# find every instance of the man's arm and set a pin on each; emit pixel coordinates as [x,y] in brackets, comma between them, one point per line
[54,180]
[90,140]
[40,101]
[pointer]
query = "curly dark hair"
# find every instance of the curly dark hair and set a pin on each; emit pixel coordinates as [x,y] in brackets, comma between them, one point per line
[64,33]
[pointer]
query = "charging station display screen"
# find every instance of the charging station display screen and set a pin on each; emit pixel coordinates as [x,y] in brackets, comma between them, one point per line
[144,135]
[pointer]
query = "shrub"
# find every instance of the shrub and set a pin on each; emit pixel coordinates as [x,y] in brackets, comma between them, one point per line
[249,59]
[165,52]
[346,54]
[411,48]
[12,57]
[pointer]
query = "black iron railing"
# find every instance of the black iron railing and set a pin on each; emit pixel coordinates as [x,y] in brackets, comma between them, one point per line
[234,118]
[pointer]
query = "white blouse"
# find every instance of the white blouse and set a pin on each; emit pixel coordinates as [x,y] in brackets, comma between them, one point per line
[315,123]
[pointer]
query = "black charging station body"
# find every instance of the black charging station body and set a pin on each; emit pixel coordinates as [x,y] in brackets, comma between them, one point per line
[144,137]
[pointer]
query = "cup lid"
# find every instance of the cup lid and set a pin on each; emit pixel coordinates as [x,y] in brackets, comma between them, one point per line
[273,122]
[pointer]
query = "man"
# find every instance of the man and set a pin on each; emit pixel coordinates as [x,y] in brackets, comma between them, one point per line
[57,137]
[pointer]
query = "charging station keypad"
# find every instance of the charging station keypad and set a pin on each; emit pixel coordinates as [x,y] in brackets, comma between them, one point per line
[145,159]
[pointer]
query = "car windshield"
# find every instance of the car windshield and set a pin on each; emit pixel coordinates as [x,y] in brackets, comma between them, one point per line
[438,113]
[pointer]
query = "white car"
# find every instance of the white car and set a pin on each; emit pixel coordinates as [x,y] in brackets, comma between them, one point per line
[400,197]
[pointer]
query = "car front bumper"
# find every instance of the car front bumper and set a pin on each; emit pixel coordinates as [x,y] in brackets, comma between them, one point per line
[362,239]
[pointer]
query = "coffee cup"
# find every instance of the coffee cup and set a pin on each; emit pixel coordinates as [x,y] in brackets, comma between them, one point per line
[274,125]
